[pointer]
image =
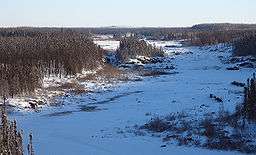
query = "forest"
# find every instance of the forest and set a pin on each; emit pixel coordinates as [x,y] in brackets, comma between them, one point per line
[26,57]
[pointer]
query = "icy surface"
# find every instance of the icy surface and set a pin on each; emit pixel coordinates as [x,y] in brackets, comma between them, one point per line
[97,123]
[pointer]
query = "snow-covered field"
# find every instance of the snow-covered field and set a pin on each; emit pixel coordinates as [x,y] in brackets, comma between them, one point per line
[99,123]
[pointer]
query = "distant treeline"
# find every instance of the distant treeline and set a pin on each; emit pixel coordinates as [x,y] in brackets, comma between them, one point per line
[200,34]
[131,47]
[26,57]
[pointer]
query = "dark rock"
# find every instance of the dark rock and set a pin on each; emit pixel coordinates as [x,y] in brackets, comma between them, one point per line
[211,95]
[236,60]
[170,67]
[163,145]
[138,67]
[144,61]
[156,60]
[189,53]
[170,46]
[233,68]
[239,84]
[33,105]
[124,66]
[246,65]
[252,59]
[216,98]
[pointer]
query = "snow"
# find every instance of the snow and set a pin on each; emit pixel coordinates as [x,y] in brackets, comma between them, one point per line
[42,97]
[102,37]
[138,59]
[113,45]
[109,45]
[68,129]
[164,44]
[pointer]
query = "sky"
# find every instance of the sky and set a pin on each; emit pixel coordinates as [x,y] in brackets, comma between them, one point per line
[128,13]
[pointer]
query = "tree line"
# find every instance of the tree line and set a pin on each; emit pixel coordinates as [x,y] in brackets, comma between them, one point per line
[176,33]
[26,59]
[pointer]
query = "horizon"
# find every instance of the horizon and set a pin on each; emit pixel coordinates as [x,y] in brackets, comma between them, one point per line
[120,13]
[131,27]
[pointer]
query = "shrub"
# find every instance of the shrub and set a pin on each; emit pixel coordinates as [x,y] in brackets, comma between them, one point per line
[157,125]
[209,128]
[131,47]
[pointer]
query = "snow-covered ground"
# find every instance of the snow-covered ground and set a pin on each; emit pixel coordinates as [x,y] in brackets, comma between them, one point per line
[102,37]
[55,86]
[99,123]
[164,44]
[109,45]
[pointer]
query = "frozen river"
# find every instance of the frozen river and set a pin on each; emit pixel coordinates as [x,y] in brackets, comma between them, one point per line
[99,123]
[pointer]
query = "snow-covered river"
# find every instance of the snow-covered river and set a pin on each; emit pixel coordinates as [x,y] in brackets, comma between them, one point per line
[97,123]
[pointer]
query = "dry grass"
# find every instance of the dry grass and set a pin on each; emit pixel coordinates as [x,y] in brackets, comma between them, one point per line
[223,131]
[157,125]
[107,74]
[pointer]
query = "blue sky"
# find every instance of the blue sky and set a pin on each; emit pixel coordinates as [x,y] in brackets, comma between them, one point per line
[136,13]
